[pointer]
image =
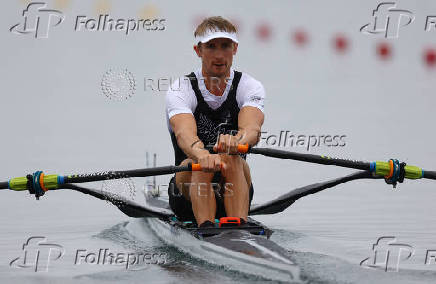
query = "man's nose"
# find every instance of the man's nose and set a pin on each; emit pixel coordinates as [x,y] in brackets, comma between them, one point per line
[219,53]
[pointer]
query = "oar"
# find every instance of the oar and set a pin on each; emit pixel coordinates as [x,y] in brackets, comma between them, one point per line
[379,168]
[38,184]
[393,171]
[45,182]
[284,201]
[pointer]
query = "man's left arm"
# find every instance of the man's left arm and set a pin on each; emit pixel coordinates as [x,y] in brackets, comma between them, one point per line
[250,120]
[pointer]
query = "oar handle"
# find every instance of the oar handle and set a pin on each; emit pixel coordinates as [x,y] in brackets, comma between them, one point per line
[197,167]
[242,148]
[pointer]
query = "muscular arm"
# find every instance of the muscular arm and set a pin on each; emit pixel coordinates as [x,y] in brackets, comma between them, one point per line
[250,121]
[185,130]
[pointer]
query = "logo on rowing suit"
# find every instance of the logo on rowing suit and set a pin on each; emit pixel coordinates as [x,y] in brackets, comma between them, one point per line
[388,254]
[37,20]
[387,20]
[209,129]
[37,254]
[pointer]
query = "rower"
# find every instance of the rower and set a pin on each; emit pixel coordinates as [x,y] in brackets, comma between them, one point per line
[213,106]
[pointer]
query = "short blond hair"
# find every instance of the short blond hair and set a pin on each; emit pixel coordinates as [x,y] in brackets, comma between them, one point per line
[216,23]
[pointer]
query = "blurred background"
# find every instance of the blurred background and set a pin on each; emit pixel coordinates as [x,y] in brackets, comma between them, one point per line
[322,76]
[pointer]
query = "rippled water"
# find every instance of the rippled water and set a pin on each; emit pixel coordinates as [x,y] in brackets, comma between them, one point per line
[326,243]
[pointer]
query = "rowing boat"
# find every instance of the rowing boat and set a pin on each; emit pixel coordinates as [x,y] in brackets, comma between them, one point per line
[246,249]
[237,247]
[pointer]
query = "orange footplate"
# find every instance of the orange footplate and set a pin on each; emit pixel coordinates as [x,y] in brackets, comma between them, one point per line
[224,221]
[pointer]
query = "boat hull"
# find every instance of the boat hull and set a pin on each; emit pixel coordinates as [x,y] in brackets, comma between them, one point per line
[233,249]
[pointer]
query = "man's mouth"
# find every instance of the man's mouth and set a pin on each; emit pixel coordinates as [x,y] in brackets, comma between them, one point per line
[219,64]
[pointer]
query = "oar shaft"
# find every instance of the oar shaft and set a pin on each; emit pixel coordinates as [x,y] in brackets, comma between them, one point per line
[429,174]
[54,181]
[124,174]
[324,160]
[379,168]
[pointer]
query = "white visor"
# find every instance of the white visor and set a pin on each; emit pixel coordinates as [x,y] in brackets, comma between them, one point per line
[211,34]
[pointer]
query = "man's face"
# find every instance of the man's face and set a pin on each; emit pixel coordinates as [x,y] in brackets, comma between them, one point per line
[217,56]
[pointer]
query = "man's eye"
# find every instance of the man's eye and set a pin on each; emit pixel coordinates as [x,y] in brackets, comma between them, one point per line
[210,46]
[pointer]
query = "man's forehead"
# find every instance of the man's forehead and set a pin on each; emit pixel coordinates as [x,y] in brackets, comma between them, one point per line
[219,40]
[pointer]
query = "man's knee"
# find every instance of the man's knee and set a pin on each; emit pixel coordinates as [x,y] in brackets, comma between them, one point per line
[234,165]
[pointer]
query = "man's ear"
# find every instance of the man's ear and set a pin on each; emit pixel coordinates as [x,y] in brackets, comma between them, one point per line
[197,50]
[235,48]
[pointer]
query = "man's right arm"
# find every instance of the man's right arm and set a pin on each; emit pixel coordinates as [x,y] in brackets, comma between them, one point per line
[185,130]
[179,106]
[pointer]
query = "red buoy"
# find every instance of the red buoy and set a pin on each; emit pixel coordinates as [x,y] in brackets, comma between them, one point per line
[300,37]
[430,57]
[384,50]
[263,32]
[340,43]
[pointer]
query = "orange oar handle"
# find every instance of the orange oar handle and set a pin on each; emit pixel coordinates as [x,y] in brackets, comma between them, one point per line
[197,167]
[242,149]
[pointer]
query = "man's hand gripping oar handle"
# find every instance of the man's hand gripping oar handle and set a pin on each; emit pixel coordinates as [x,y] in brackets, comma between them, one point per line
[242,148]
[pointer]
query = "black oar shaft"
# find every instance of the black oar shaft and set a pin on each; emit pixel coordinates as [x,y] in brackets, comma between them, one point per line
[4,185]
[125,174]
[429,174]
[324,160]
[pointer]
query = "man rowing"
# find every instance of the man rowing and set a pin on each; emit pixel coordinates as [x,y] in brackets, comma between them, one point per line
[217,106]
